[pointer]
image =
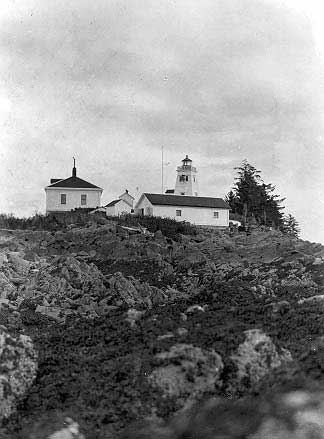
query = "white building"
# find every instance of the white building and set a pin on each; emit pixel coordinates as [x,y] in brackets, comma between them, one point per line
[123,205]
[64,195]
[205,211]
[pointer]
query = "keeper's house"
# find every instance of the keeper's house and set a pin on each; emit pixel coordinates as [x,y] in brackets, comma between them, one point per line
[204,211]
[63,195]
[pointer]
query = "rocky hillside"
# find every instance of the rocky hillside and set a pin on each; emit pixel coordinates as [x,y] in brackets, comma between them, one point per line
[109,333]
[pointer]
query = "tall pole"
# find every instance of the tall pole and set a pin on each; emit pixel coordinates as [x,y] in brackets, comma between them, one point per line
[162,171]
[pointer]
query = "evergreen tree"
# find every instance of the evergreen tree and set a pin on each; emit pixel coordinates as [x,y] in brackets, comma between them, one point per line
[290,226]
[252,198]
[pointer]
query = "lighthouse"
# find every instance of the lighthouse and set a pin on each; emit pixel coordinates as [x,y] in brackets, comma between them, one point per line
[187,181]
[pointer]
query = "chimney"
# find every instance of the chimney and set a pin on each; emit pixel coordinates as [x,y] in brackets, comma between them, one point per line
[74,168]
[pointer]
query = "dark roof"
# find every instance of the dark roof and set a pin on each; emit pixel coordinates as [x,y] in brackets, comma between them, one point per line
[169,191]
[55,180]
[74,182]
[185,200]
[112,203]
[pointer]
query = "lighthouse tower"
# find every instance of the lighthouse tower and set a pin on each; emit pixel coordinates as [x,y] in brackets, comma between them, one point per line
[187,182]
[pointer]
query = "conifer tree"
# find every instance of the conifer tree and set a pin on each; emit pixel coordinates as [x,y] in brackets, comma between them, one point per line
[290,226]
[251,197]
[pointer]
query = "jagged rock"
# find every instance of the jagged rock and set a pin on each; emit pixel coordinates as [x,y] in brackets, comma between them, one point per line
[182,331]
[318,261]
[134,293]
[294,281]
[124,289]
[278,308]
[159,235]
[58,286]
[190,257]
[6,286]
[255,358]
[18,361]
[132,316]
[20,265]
[193,308]
[3,259]
[55,313]
[186,373]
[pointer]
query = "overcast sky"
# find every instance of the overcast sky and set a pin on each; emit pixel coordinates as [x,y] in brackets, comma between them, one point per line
[110,82]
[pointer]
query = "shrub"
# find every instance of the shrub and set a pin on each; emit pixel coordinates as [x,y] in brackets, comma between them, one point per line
[169,227]
[44,222]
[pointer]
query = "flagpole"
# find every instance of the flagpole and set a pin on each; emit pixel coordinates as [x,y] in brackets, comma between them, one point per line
[162,172]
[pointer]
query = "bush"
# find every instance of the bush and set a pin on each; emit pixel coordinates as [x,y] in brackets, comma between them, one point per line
[44,222]
[169,227]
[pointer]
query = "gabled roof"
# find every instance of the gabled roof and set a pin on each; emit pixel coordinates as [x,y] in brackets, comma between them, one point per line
[74,182]
[112,203]
[185,200]
[126,193]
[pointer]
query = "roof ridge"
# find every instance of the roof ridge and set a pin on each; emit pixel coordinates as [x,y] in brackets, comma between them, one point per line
[73,182]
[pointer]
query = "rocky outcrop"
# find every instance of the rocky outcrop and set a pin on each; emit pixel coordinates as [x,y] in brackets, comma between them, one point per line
[18,360]
[136,299]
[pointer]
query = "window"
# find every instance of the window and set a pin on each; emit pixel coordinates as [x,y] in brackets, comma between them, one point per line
[182,177]
[182,193]
[194,179]
[63,198]
[83,200]
[187,178]
[216,214]
[178,212]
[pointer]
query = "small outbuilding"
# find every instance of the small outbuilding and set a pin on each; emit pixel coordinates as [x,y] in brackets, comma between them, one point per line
[122,205]
[205,211]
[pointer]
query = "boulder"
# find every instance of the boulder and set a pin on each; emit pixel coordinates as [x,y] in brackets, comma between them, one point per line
[186,373]
[18,361]
[70,430]
[255,358]
[52,425]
